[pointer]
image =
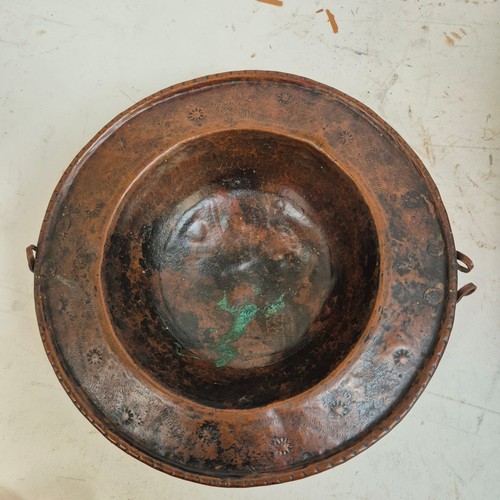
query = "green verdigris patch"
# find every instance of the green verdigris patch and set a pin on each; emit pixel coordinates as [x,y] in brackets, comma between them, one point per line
[243,315]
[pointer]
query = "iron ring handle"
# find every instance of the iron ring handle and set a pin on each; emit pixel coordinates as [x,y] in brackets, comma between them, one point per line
[467,289]
[467,267]
[31,256]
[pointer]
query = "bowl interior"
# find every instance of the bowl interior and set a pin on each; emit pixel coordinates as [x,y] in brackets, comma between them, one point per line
[241,268]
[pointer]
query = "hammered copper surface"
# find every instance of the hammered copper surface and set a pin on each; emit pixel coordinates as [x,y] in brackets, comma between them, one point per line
[245,279]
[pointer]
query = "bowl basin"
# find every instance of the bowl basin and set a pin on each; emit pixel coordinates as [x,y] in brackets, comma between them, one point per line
[241,268]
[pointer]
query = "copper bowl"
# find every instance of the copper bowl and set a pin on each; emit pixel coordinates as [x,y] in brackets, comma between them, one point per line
[245,279]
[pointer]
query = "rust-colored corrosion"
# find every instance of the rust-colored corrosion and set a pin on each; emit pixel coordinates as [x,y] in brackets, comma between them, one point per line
[246,279]
[333,22]
[449,40]
[277,3]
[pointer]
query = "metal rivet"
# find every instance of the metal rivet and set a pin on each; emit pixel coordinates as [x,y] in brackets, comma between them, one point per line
[434,295]
[48,268]
[436,248]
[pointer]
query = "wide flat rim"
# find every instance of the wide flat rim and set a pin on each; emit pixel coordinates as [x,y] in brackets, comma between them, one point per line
[375,433]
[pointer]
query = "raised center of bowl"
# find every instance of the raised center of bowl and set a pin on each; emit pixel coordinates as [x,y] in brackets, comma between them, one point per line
[243,274]
[241,268]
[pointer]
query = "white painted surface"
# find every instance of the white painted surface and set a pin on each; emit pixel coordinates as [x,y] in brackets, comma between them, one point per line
[67,68]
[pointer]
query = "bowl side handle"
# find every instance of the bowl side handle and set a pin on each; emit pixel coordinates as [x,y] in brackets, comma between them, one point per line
[465,265]
[31,257]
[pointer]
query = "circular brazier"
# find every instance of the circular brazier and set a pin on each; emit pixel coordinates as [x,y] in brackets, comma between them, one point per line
[245,279]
